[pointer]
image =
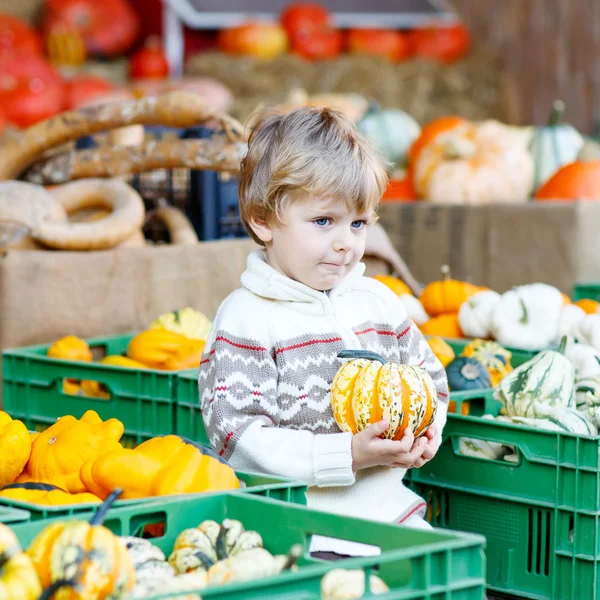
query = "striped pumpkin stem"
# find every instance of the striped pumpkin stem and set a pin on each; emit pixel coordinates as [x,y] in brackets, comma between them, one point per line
[563,345]
[354,354]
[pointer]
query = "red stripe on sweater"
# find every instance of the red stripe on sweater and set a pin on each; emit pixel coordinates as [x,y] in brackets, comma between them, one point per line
[442,394]
[413,511]
[225,443]
[221,338]
[377,331]
[305,344]
[402,333]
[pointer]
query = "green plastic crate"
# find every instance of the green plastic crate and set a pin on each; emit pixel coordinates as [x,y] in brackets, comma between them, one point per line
[416,564]
[9,514]
[257,484]
[188,418]
[586,289]
[541,516]
[142,399]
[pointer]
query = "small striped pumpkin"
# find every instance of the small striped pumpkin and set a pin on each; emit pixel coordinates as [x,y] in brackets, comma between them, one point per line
[368,389]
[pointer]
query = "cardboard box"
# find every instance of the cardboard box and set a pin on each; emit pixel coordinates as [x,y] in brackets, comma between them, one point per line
[499,246]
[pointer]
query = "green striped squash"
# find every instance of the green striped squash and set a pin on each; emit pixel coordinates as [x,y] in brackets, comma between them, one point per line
[548,378]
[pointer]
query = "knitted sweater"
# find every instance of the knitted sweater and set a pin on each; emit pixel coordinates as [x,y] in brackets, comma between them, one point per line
[265,381]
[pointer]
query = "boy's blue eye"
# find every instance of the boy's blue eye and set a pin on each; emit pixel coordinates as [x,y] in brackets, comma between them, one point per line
[357,224]
[322,222]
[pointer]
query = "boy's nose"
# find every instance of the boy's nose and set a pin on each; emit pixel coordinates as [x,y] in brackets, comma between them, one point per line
[341,245]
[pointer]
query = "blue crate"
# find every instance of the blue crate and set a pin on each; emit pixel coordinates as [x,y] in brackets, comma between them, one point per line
[213,205]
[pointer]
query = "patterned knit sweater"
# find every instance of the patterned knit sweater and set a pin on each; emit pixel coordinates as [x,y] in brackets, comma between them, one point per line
[265,382]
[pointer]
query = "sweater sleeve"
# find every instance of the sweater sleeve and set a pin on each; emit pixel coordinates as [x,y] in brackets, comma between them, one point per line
[238,395]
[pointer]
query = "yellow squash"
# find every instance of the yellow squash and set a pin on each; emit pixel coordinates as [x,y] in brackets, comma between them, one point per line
[18,579]
[58,453]
[165,350]
[187,321]
[44,494]
[368,389]
[159,466]
[71,347]
[15,447]
[442,350]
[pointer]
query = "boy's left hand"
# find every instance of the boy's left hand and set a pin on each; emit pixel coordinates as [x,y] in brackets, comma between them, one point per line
[433,443]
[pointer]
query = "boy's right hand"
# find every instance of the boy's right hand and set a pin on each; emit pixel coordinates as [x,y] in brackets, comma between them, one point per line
[369,450]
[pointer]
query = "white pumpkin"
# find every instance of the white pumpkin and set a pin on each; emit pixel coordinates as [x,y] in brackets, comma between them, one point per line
[527,316]
[345,584]
[585,359]
[587,331]
[570,316]
[475,315]
[414,308]
[393,131]
[474,163]
[554,145]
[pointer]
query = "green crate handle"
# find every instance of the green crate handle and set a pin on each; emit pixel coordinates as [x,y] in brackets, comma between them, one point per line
[523,438]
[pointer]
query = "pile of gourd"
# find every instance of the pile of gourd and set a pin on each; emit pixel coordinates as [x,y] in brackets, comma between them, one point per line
[452,160]
[82,460]
[557,390]
[128,568]
[173,342]
[529,317]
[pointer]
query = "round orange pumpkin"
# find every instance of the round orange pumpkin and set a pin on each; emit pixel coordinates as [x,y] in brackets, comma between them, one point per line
[474,163]
[396,285]
[368,389]
[430,131]
[575,181]
[446,325]
[446,295]
[588,305]
[400,190]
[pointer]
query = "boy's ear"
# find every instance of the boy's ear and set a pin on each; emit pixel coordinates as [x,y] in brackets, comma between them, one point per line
[262,230]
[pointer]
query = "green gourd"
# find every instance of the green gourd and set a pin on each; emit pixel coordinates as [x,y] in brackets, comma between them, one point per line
[554,145]
[392,131]
[465,373]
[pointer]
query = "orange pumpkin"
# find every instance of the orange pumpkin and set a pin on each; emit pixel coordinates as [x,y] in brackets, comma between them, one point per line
[575,181]
[474,163]
[400,190]
[430,131]
[447,295]
[150,61]
[396,285]
[445,325]
[441,43]
[261,40]
[386,43]
[588,306]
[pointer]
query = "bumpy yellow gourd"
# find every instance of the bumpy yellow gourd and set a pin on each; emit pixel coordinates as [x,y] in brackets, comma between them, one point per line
[159,466]
[58,453]
[368,389]
[15,448]
[163,349]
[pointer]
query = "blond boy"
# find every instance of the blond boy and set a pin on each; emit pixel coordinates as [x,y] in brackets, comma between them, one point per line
[308,190]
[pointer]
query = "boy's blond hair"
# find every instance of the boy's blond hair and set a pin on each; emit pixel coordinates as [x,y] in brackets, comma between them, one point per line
[307,152]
